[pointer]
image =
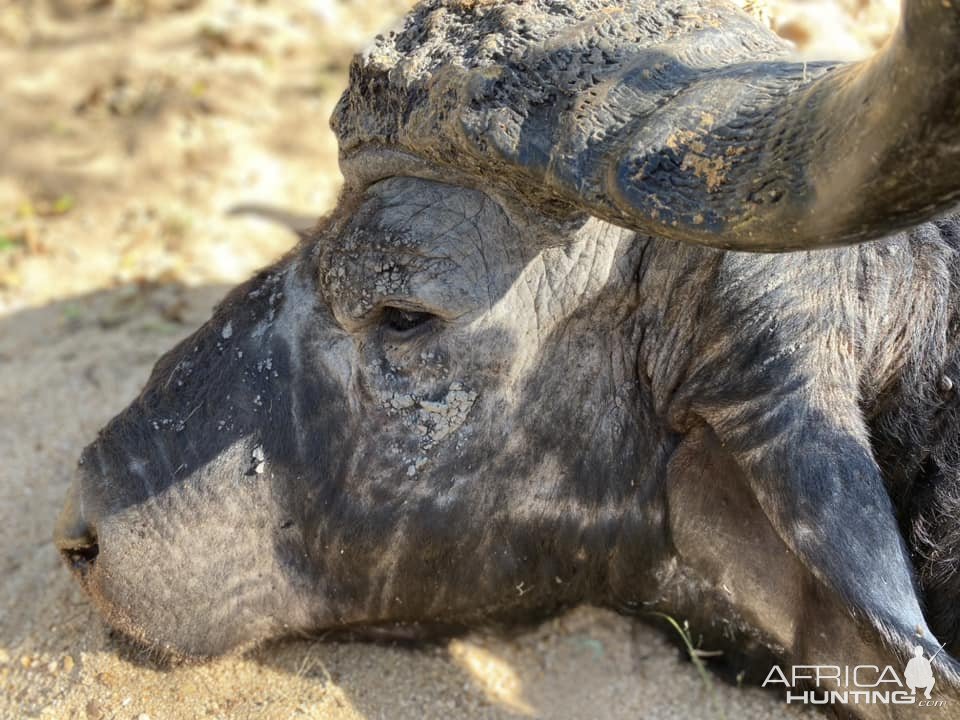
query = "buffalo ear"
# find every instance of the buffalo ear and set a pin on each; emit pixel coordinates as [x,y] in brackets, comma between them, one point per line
[745,586]
[300,225]
[723,538]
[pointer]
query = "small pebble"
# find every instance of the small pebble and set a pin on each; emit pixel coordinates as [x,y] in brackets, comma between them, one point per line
[107,679]
[94,710]
[68,664]
[4,657]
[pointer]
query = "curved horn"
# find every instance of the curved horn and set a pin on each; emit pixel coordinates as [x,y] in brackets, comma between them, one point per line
[856,154]
[681,118]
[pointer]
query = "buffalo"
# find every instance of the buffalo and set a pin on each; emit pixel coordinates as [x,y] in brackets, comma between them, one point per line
[619,305]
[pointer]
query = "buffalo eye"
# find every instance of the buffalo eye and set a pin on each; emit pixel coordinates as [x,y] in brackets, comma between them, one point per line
[404,323]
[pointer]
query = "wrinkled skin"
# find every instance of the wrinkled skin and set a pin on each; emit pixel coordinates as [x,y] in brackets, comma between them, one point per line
[421,420]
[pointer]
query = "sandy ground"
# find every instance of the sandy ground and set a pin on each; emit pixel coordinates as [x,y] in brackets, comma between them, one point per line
[131,134]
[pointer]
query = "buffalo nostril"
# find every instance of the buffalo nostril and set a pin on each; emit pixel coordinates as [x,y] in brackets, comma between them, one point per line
[80,557]
[74,535]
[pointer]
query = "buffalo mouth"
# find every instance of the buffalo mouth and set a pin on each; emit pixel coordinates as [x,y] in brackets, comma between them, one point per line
[78,541]
[75,536]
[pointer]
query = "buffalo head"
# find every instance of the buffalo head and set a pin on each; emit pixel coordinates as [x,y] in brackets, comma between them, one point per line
[518,368]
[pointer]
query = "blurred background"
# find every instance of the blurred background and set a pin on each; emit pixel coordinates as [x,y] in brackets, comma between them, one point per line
[130,133]
[129,129]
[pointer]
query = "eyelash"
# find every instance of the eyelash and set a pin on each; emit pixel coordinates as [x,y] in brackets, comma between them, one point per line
[404,322]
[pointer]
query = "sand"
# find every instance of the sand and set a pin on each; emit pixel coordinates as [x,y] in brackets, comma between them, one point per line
[131,133]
